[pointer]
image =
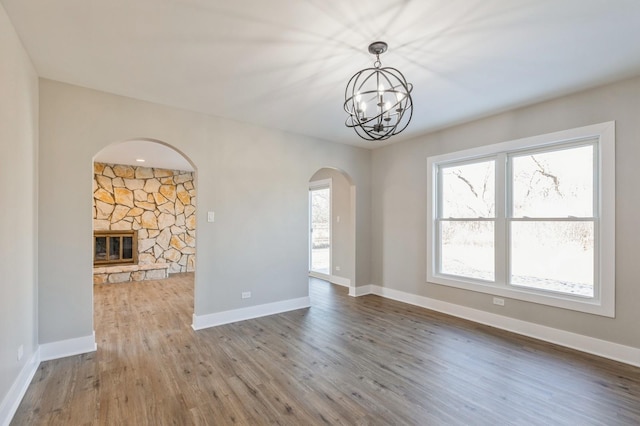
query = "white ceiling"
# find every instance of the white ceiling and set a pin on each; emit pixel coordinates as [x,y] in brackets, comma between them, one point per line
[285,63]
[154,154]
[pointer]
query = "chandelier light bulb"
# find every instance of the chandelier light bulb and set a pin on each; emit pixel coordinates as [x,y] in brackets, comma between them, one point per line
[387,108]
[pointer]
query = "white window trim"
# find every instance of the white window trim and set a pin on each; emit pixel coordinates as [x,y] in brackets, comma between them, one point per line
[604,301]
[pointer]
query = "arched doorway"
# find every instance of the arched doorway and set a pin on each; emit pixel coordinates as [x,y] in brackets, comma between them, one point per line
[144,214]
[332,227]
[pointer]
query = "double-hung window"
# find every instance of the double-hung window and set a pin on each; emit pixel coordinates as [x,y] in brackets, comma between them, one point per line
[531,219]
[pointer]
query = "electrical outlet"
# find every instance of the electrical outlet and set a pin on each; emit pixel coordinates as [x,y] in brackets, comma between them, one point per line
[337,268]
[20,352]
[211,216]
[498,301]
[246,294]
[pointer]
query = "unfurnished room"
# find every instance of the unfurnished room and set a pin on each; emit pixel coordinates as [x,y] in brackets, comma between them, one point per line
[319,212]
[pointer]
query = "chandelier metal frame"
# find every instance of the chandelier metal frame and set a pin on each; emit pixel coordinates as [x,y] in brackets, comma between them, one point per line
[381,92]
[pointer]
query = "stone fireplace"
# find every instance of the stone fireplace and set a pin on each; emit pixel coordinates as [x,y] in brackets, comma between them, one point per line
[144,222]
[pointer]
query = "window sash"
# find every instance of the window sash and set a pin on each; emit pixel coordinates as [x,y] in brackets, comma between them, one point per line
[440,181]
[439,246]
[596,253]
[558,146]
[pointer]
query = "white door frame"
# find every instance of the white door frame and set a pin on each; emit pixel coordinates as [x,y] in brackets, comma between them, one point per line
[314,185]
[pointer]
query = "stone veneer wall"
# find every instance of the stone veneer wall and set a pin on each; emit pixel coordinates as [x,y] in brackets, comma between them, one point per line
[158,203]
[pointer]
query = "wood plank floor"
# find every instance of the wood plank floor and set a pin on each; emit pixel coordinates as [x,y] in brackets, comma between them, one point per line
[344,361]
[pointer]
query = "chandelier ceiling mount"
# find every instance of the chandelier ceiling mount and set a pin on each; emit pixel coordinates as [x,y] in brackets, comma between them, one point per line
[378,48]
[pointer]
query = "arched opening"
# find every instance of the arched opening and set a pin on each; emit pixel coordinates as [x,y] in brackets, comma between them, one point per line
[144,224]
[332,227]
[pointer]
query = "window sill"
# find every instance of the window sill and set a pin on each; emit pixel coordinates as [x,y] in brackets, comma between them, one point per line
[593,306]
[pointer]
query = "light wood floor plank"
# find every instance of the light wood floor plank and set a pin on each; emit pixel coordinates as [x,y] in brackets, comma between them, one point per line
[344,361]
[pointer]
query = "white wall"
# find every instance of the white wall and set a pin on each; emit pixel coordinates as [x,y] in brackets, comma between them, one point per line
[18,231]
[255,179]
[399,207]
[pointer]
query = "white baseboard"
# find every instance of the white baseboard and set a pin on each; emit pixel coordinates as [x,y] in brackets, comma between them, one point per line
[69,347]
[226,317]
[603,348]
[363,290]
[344,282]
[12,400]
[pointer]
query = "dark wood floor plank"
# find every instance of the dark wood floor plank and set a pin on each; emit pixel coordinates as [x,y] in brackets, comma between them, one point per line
[344,361]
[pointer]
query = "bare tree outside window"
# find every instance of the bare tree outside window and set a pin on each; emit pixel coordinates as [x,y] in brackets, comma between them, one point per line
[552,236]
[550,220]
[467,228]
[531,219]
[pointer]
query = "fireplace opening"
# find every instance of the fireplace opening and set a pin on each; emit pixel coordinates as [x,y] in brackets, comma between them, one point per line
[115,248]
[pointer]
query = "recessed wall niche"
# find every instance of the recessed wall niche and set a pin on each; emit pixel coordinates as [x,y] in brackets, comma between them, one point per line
[159,204]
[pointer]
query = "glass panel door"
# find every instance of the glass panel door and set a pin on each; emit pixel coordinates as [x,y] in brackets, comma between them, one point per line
[320,221]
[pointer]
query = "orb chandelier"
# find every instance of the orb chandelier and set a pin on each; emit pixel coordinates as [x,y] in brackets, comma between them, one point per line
[378,100]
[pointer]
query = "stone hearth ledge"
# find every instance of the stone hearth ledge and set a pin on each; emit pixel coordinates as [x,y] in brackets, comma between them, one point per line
[126,273]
